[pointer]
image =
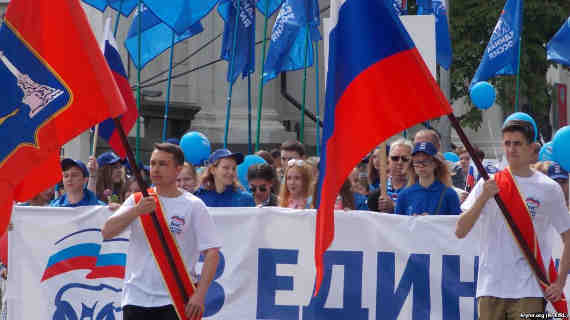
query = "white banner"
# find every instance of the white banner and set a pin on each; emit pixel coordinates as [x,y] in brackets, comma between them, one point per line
[379,267]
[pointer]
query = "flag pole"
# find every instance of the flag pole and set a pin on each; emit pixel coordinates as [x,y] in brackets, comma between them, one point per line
[249,146]
[231,82]
[317,94]
[117,19]
[509,219]
[139,98]
[95,140]
[168,86]
[302,128]
[143,186]
[518,76]
[260,98]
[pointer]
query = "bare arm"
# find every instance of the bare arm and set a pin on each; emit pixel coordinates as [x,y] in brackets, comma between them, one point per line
[554,291]
[117,223]
[195,306]
[468,218]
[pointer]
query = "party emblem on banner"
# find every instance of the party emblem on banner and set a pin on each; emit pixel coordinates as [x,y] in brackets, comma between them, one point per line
[79,251]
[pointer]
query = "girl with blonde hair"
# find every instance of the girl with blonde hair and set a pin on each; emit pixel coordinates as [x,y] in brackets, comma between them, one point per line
[296,187]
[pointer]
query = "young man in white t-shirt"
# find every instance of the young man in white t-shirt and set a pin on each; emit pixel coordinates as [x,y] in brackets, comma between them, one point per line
[144,294]
[506,286]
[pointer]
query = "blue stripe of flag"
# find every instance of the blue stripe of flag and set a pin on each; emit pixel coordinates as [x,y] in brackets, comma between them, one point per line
[80,250]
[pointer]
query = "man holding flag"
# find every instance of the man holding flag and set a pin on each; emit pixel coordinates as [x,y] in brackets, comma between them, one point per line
[506,284]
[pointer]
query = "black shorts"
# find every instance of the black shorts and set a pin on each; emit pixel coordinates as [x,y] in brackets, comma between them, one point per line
[131,312]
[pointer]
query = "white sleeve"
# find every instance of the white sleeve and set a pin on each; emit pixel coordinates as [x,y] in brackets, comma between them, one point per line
[559,216]
[204,228]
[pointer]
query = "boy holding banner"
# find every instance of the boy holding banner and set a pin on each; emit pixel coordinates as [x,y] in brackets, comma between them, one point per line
[147,292]
[506,286]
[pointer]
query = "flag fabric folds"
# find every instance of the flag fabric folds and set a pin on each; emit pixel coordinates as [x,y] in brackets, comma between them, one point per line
[268,7]
[46,101]
[442,36]
[297,20]
[107,129]
[125,7]
[244,60]
[156,37]
[372,61]
[100,5]
[400,7]
[501,57]
[180,15]
[558,48]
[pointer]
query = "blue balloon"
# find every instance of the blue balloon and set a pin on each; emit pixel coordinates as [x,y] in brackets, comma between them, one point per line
[248,161]
[561,147]
[482,94]
[196,147]
[524,117]
[545,153]
[451,156]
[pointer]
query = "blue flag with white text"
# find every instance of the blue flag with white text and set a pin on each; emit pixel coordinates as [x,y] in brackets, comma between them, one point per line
[297,20]
[268,7]
[442,36]
[180,15]
[244,60]
[558,48]
[502,52]
[156,37]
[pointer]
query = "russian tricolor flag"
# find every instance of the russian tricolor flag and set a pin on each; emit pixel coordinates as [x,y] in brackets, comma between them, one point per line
[107,129]
[377,85]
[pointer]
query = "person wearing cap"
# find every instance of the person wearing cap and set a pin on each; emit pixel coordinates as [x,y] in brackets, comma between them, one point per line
[558,174]
[429,189]
[219,185]
[506,283]
[144,294]
[110,178]
[75,176]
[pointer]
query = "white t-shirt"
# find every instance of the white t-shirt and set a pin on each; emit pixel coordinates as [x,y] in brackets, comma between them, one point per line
[194,231]
[503,270]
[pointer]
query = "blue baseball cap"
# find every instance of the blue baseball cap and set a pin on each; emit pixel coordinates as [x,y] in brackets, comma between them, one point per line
[425,147]
[175,141]
[107,158]
[67,163]
[555,171]
[225,153]
[522,117]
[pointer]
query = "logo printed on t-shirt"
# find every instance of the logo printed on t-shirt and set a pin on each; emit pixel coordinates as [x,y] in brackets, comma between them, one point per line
[532,205]
[177,224]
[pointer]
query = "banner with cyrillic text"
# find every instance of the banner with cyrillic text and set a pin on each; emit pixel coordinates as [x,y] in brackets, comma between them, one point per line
[380,266]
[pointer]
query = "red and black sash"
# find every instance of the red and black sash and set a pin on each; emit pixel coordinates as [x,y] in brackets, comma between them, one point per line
[516,205]
[160,255]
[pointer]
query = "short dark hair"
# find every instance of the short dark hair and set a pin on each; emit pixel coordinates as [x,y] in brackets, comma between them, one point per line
[275,153]
[521,126]
[294,146]
[265,155]
[173,149]
[261,171]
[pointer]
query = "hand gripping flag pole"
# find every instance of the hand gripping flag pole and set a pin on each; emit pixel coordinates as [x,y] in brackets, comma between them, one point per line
[180,276]
[527,252]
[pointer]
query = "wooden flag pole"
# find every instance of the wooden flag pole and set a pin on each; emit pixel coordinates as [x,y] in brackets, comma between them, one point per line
[143,186]
[95,140]
[383,170]
[483,173]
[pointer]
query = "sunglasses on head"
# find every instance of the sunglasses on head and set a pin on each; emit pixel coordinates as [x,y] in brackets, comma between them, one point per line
[254,188]
[295,162]
[398,158]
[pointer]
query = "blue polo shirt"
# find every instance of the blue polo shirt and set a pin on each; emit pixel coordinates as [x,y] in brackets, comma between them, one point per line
[89,199]
[417,199]
[228,198]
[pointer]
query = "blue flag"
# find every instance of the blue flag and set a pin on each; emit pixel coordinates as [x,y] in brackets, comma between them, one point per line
[100,5]
[502,52]
[244,60]
[180,15]
[297,19]
[558,48]
[125,7]
[268,7]
[399,6]
[424,7]
[442,37]
[156,37]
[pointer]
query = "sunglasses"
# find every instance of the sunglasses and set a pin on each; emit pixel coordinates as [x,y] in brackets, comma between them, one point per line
[422,163]
[295,162]
[254,188]
[398,158]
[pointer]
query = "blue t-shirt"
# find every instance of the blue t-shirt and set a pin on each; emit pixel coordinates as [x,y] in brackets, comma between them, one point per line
[228,198]
[89,199]
[417,199]
[360,201]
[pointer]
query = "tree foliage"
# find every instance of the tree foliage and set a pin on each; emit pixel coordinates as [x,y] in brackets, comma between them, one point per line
[471,24]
